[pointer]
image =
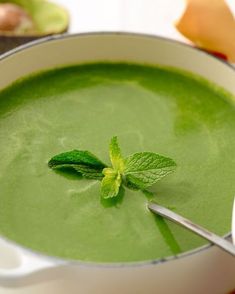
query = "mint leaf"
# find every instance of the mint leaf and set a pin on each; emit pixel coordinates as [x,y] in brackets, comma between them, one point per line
[144,169]
[89,172]
[115,155]
[76,157]
[83,162]
[129,184]
[84,171]
[111,183]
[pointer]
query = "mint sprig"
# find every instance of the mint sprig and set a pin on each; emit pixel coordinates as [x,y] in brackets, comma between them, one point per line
[138,171]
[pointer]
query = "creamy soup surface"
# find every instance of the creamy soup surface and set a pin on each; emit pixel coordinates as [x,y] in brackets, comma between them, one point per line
[149,109]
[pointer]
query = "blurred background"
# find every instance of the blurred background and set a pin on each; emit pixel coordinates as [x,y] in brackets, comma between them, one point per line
[208,24]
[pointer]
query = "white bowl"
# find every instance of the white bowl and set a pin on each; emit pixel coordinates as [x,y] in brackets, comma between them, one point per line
[185,273]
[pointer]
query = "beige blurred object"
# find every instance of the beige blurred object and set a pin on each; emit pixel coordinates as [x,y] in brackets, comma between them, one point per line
[209,24]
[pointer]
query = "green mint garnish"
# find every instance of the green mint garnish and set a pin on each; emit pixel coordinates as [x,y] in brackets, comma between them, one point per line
[115,155]
[146,168]
[113,176]
[110,183]
[84,162]
[138,171]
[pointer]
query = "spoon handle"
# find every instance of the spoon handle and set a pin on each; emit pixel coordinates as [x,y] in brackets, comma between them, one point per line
[213,238]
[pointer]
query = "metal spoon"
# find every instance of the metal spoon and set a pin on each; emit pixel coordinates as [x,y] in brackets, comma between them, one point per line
[213,238]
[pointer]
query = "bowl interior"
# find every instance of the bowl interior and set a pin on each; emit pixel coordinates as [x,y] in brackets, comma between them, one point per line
[55,52]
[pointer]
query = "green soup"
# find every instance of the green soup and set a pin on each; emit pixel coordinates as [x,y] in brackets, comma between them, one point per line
[82,107]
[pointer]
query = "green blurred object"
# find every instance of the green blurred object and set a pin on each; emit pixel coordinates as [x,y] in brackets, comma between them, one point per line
[48,18]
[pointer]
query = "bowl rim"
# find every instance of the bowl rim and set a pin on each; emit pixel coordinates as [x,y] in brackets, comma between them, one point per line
[66,261]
